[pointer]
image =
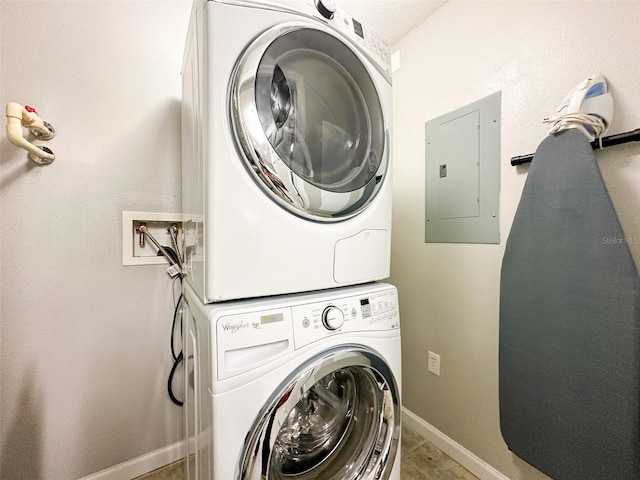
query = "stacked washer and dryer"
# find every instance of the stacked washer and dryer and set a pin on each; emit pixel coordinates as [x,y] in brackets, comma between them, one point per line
[291,346]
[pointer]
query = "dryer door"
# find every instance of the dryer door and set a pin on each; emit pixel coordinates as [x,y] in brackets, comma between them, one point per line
[306,114]
[336,418]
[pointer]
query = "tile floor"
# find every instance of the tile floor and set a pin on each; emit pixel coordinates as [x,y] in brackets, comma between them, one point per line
[420,461]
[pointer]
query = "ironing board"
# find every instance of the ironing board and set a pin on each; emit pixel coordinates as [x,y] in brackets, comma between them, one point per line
[569,359]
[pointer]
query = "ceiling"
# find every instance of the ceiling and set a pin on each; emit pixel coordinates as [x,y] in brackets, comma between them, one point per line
[391,18]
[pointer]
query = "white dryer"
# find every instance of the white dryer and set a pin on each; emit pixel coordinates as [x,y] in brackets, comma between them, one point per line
[297,387]
[286,156]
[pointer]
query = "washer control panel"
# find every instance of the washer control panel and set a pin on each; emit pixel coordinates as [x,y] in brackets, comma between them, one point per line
[265,330]
[374,311]
[326,8]
[332,318]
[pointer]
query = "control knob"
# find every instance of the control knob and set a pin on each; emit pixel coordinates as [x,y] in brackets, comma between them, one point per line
[332,318]
[326,8]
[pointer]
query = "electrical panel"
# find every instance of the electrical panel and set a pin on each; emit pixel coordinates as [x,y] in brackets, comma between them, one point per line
[462,174]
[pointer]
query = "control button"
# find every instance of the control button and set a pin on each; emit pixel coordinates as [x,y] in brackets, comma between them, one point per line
[306,322]
[332,318]
[326,8]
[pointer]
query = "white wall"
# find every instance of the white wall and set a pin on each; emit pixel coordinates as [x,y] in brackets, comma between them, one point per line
[534,52]
[84,340]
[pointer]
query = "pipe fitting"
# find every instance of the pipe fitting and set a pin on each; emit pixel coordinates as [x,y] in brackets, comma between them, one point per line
[18,117]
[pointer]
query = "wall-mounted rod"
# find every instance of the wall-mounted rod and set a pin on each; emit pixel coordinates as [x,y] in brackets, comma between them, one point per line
[610,141]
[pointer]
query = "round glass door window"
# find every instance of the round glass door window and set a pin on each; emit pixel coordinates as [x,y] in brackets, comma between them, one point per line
[328,425]
[308,118]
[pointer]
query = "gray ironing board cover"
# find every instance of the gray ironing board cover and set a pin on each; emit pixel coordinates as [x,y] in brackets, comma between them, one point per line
[569,360]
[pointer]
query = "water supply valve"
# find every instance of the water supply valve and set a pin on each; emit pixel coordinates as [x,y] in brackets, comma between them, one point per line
[19,117]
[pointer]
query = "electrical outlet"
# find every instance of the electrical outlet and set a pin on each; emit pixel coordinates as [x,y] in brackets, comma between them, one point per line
[433,364]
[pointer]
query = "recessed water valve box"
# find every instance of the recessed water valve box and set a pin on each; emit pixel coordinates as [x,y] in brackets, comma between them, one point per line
[137,249]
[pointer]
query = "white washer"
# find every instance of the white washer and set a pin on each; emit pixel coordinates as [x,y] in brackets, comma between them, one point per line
[286,155]
[298,387]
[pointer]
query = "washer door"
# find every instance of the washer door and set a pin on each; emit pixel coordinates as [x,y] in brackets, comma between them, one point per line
[336,418]
[307,118]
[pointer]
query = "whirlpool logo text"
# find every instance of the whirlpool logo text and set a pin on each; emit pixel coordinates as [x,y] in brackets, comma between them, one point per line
[234,327]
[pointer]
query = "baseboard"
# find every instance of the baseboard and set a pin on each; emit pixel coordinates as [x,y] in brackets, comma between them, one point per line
[464,457]
[164,456]
[140,465]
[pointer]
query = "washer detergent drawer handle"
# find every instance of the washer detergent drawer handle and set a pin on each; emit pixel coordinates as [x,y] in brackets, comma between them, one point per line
[242,358]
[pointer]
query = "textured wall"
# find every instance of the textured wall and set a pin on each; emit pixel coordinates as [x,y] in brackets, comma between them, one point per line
[534,52]
[392,19]
[84,340]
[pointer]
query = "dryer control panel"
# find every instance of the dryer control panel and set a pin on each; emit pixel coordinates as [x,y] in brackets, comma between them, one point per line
[359,33]
[372,312]
[367,38]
